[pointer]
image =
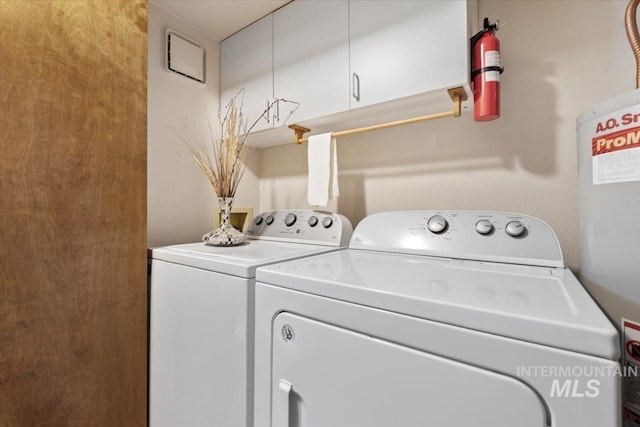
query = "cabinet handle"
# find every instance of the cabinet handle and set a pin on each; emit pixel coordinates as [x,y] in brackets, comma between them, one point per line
[284,390]
[356,87]
[276,116]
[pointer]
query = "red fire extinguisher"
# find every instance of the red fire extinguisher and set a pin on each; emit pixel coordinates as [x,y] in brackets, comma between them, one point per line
[485,73]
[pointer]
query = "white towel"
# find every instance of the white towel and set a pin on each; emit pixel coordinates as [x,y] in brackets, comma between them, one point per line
[323,170]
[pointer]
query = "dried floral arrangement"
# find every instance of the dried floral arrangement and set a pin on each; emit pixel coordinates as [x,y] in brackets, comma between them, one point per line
[223,155]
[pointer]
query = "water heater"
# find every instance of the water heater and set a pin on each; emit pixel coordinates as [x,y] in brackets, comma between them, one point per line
[609,184]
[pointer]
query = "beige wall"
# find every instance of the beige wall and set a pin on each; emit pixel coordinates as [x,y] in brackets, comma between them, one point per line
[180,199]
[560,57]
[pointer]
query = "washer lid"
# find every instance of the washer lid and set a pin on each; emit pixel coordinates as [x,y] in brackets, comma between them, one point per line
[536,304]
[240,261]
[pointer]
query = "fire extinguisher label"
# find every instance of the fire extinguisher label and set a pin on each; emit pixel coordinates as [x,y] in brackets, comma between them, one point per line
[615,147]
[492,59]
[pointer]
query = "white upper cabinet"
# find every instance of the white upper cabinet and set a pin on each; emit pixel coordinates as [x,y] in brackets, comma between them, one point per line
[335,57]
[246,61]
[401,48]
[311,57]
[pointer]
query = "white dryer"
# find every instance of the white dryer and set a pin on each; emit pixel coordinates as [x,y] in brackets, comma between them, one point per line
[201,321]
[442,319]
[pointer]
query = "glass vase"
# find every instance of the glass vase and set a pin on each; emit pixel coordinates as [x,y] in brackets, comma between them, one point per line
[225,234]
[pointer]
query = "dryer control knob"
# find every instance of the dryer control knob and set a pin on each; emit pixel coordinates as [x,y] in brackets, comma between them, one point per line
[515,229]
[269,220]
[327,222]
[313,221]
[484,227]
[257,220]
[437,224]
[290,219]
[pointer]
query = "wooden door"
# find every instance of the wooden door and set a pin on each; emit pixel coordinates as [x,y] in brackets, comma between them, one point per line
[73,293]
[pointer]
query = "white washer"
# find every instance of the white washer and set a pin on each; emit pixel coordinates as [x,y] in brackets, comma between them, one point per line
[443,319]
[201,322]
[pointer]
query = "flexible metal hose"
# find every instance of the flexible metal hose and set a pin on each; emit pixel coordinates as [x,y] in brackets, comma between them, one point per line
[632,34]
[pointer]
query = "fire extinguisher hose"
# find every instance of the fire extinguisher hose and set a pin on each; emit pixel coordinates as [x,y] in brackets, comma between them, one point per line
[631,27]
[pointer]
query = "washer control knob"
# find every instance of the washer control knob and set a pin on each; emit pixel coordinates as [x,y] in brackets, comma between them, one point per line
[257,220]
[327,222]
[437,224]
[313,221]
[515,229]
[269,220]
[290,219]
[484,227]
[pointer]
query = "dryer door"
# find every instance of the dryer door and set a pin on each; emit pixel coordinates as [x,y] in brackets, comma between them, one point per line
[324,376]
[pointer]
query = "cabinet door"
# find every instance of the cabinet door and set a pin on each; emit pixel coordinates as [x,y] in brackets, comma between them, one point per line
[246,61]
[311,57]
[401,48]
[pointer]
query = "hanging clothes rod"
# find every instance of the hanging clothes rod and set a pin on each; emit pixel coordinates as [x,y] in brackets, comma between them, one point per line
[457,95]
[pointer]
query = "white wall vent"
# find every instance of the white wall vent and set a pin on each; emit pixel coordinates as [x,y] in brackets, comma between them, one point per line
[185,56]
